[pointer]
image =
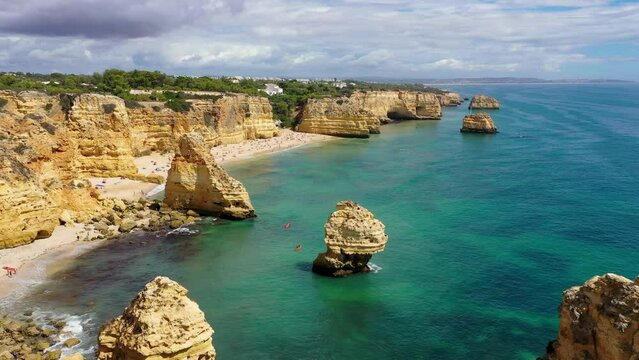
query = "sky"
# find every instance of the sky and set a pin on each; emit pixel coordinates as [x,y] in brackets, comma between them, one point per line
[411,39]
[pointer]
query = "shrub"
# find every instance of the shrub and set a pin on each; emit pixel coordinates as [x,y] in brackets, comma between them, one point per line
[156,108]
[108,108]
[178,105]
[48,107]
[132,104]
[50,128]
[3,102]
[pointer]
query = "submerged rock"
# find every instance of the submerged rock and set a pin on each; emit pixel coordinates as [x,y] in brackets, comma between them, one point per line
[160,323]
[598,320]
[483,102]
[352,236]
[196,182]
[478,123]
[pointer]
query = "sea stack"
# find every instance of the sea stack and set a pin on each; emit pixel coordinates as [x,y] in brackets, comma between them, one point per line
[598,320]
[160,323]
[478,123]
[196,182]
[352,236]
[480,102]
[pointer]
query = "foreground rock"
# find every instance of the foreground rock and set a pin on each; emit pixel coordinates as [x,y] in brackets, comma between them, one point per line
[598,321]
[337,117]
[160,323]
[196,182]
[478,123]
[483,102]
[352,236]
[24,339]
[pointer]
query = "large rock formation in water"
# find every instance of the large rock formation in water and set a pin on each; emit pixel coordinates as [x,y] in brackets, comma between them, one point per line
[450,99]
[196,182]
[160,323]
[399,105]
[337,117]
[352,236]
[479,102]
[478,123]
[361,114]
[598,321]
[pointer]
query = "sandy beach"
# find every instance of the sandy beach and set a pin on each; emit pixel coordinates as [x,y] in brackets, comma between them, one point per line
[33,260]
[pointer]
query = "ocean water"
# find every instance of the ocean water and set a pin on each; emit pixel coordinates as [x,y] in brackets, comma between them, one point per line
[485,234]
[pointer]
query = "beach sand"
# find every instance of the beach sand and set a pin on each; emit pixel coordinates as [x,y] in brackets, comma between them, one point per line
[36,260]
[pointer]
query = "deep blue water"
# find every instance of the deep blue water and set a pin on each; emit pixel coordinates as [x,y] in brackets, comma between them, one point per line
[486,231]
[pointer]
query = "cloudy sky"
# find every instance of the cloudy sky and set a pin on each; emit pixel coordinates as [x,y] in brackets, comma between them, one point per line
[389,38]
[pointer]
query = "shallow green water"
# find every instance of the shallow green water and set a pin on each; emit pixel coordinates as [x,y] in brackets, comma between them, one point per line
[485,233]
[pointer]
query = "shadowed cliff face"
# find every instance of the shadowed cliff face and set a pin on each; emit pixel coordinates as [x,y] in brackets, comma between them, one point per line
[62,139]
[598,320]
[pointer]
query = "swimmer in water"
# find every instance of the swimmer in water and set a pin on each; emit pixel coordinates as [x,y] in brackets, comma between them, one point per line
[298,248]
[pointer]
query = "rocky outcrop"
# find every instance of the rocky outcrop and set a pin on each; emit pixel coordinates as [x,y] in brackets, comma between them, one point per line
[22,338]
[160,323]
[450,99]
[63,139]
[27,210]
[352,236]
[478,123]
[362,113]
[598,320]
[228,119]
[399,105]
[100,129]
[337,117]
[479,102]
[196,182]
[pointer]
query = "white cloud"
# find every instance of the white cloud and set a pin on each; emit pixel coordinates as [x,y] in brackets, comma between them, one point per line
[405,38]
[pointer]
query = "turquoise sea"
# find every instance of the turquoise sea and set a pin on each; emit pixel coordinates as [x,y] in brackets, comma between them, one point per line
[485,234]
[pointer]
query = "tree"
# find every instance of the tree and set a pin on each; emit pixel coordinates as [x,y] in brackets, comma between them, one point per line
[115,82]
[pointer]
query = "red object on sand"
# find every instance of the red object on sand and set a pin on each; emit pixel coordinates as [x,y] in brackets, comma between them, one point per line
[10,270]
[287,225]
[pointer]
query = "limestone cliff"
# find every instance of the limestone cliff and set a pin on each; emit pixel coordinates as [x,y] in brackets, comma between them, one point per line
[229,119]
[100,128]
[478,123]
[352,236]
[599,321]
[337,117]
[399,105]
[27,211]
[64,139]
[450,99]
[196,182]
[483,102]
[160,323]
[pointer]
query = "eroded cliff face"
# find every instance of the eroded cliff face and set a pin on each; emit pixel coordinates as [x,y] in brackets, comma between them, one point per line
[196,182]
[160,323]
[362,113]
[337,117]
[62,140]
[598,321]
[352,236]
[226,120]
[450,99]
[483,102]
[28,212]
[478,123]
